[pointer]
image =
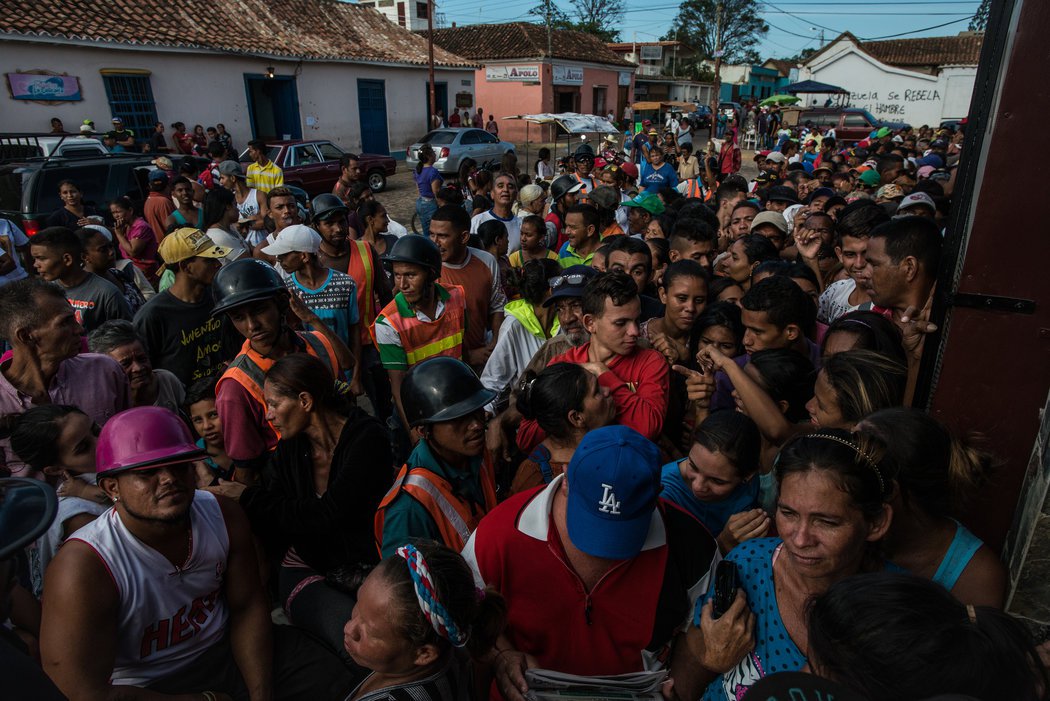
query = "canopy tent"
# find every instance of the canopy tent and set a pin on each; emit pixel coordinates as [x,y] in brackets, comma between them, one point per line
[812,86]
[779,100]
[570,123]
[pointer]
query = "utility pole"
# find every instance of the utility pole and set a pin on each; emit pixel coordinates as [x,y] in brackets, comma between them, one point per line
[717,88]
[547,15]
[430,61]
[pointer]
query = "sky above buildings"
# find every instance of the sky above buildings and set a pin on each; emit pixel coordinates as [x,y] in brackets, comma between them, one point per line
[793,24]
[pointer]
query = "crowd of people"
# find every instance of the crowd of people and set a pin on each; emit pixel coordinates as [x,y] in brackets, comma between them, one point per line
[643,415]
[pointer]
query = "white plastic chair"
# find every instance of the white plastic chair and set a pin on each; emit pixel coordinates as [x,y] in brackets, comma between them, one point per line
[750,140]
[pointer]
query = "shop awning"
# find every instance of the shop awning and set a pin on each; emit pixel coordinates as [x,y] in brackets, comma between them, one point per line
[571,122]
[677,106]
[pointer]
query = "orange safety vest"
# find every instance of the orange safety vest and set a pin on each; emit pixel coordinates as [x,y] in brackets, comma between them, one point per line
[587,187]
[456,518]
[361,270]
[694,188]
[249,368]
[428,339]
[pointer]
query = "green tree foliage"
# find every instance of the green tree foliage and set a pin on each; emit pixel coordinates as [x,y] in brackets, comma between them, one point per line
[980,18]
[741,28]
[598,17]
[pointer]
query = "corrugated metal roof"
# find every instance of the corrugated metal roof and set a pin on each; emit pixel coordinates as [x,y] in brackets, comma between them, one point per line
[311,30]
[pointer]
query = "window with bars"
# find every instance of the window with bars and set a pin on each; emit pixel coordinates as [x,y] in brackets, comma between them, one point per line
[131,100]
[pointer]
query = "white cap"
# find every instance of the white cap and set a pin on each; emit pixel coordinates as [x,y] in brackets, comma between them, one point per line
[917,199]
[775,156]
[296,238]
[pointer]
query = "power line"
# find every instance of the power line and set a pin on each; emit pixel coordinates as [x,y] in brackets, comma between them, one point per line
[871,14]
[916,31]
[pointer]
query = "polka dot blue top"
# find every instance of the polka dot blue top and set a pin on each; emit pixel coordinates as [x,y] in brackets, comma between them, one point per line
[774,650]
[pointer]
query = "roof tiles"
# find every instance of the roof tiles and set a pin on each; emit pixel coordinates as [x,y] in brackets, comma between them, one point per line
[311,30]
[964,49]
[521,40]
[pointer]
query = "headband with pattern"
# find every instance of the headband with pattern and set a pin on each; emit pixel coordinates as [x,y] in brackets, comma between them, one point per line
[870,461]
[426,593]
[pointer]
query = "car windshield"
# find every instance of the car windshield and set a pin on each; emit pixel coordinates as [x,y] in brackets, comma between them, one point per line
[439,137]
[871,119]
[271,153]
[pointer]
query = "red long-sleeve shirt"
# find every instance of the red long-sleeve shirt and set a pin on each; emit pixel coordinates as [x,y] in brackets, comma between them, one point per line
[638,384]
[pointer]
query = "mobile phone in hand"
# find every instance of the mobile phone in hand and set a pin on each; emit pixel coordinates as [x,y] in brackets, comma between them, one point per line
[725,588]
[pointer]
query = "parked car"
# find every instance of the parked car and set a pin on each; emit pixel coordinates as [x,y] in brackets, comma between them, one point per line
[451,146]
[701,118]
[851,124]
[25,146]
[29,187]
[731,109]
[314,165]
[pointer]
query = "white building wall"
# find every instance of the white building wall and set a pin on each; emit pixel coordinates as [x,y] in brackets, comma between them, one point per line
[891,93]
[199,88]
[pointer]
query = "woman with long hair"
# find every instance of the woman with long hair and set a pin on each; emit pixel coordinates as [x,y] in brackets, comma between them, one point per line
[937,473]
[832,512]
[566,401]
[74,213]
[428,182]
[331,468]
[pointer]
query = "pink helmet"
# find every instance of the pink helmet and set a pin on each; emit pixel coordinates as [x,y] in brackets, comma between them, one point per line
[144,437]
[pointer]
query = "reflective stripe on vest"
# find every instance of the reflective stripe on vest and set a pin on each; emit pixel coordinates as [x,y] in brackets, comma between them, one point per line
[455,518]
[360,269]
[249,368]
[427,339]
[694,189]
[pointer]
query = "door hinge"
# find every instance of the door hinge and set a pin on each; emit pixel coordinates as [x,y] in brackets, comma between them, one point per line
[976,300]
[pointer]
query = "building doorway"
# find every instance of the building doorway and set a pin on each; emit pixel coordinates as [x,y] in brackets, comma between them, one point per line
[599,101]
[566,100]
[440,101]
[371,106]
[273,107]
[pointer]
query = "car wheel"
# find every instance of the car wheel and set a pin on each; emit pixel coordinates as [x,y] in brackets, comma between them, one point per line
[376,181]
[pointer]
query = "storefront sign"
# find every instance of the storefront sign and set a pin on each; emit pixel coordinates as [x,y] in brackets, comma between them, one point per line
[568,75]
[624,79]
[32,86]
[524,74]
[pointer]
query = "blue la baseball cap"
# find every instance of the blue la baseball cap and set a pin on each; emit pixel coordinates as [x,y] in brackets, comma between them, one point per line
[614,481]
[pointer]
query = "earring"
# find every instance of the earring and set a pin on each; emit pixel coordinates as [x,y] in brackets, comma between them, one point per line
[115,499]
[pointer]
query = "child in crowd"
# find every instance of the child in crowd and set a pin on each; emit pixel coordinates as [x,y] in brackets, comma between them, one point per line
[200,406]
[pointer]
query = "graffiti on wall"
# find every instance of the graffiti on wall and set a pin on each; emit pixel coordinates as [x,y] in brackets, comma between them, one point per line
[892,104]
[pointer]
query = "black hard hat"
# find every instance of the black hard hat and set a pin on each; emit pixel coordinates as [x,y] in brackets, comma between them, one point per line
[242,281]
[583,151]
[27,508]
[416,249]
[563,185]
[327,205]
[441,389]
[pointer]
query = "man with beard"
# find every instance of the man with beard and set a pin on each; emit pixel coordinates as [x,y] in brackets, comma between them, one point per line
[163,590]
[45,367]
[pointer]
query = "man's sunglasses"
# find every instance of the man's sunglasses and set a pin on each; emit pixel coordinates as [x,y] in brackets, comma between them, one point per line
[574,279]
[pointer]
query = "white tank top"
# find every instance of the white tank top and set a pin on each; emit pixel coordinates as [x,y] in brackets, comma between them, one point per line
[250,206]
[168,616]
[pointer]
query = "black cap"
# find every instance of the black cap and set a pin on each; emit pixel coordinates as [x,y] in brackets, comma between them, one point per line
[571,283]
[442,389]
[782,193]
[820,192]
[242,281]
[415,249]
